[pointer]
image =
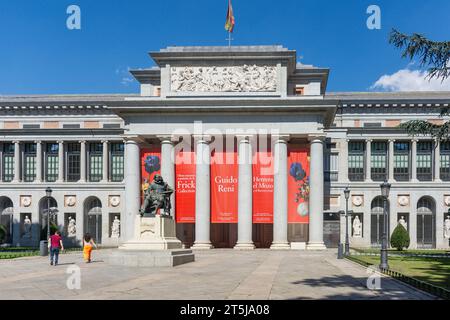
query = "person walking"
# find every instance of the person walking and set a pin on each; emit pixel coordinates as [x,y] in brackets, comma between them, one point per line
[56,244]
[88,243]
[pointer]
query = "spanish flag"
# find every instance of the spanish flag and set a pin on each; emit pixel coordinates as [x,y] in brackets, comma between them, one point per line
[229,25]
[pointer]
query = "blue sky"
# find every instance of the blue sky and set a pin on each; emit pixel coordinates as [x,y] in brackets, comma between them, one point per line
[39,55]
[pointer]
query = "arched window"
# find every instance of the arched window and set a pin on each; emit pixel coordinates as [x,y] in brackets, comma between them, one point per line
[426,232]
[93,218]
[377,221]
[6,218]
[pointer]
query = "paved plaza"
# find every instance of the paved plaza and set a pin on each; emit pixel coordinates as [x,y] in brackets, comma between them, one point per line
[216,274]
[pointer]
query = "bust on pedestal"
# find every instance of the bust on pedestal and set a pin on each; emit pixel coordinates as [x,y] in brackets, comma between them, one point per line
[155,242]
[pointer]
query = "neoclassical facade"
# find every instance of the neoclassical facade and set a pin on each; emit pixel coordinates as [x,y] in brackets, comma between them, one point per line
[258,152]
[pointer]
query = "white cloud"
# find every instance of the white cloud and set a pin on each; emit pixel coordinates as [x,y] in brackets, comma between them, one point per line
[410,80]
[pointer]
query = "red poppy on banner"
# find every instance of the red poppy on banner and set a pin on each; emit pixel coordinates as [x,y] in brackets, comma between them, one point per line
[185,187]
[150,166]
[224,187]
[262,187]
[298,184]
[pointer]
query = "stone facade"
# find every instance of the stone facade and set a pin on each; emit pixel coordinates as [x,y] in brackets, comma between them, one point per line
[204,94]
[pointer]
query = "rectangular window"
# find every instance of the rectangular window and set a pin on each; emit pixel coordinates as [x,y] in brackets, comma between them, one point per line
[73,158]
[8,162]
[331,166]
[379,161]
[95,162]
[51,162]
[356,161]
[424,160]
[401,161]
[117,162]
[29,162]
[445,161]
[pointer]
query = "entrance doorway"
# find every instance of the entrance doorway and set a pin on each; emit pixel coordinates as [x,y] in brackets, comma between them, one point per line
[331,229]
[223,235]
[426,223]
[377,221]
[262,235]
[93,218]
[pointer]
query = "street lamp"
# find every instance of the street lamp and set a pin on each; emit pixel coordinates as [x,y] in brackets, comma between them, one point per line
[48,192]
[385,189]
[340,245]
[347,243]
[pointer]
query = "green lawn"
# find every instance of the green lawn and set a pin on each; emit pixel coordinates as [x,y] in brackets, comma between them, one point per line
[435,271]
[395,251]
[17,254]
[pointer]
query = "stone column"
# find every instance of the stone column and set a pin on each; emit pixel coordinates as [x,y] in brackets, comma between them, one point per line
[391,161]
[38,162]
[280,205]
[82,161]
[245,195]
[414,160]
[368,160]
[105,161]
[202,193]
[132,187]
[437,161]
[16,161]
[343,161]
[60,161]
[168,166]
[316,195]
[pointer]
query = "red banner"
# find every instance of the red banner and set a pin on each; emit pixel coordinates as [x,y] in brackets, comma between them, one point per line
[150,165]
[185,187]
[262,187]
[298,184]
[224,187]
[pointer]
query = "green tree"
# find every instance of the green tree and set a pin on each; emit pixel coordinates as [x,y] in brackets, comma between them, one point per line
[434,55]
[400,238]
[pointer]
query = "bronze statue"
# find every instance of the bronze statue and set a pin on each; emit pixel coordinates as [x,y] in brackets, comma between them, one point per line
[157,197]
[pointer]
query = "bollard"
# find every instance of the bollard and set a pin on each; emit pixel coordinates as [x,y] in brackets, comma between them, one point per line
[340,251]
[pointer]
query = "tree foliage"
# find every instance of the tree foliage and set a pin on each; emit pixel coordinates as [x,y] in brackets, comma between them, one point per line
[435,55]
[400,238]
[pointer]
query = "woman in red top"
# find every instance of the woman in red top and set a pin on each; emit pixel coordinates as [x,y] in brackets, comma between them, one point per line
[55,244]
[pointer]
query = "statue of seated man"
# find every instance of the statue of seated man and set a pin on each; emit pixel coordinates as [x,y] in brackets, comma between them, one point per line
[157,197]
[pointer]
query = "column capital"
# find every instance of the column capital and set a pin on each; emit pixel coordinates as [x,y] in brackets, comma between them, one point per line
[281,138]
[168,139]
[59,141]
[369,140]
[244,138]
[16,141]
[82,141]
[38,141]
[202,137]
[317,137]
[415,140]
[104,141]
[136,139]
[391,140]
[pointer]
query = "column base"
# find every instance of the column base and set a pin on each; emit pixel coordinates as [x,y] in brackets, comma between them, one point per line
[202,246]
[244,246]
[437,180]
[368,180]
[280,246]
[316,246]
[392,180]
[414,180]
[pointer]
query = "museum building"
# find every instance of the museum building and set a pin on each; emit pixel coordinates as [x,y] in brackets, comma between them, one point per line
[258,153]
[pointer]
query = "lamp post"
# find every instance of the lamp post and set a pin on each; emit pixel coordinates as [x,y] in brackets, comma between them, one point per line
[385,189]
[347,243]
[48,192]
[340,245]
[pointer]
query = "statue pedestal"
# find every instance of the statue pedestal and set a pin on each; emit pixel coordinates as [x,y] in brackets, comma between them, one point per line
[155,245]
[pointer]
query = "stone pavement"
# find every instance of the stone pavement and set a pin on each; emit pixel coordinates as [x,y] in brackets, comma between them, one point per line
[216,274]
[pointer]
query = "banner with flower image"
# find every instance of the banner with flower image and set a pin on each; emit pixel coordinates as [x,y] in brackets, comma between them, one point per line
[150,165]
[298,184]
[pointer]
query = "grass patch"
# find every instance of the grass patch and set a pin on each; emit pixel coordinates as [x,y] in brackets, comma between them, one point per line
[395,251]
[435,271]
[17,254]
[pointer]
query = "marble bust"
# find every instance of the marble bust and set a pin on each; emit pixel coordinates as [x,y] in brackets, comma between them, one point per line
[447,228]
[72,227]
[27,227]
[402,222]
[115,228]
[357,226]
